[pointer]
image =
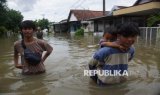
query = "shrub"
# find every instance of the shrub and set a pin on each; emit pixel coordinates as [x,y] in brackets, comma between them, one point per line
[79,32]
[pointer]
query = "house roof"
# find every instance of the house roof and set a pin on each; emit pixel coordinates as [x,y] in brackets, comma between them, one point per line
[138,2]
[85,14]
[121,7]
[63,21]
[141,7]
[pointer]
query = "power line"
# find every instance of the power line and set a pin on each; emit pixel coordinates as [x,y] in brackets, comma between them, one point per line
[75,3]
[80,4]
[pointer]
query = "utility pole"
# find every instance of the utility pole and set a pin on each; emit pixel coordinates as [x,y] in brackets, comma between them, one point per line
[104,12]
[104,8]
[43,15]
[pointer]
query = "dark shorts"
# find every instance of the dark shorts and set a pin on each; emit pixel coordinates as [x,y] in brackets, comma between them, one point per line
[95,78]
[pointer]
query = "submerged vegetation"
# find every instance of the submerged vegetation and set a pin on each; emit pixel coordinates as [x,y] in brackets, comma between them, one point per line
[80,32]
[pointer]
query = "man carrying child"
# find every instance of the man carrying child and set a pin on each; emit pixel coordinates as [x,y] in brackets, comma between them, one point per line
[114,59]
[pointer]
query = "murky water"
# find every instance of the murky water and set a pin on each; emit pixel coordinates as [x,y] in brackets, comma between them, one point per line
[65,67]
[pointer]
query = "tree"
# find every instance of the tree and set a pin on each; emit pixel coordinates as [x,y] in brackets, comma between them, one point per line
[3,10]
[36,22]
[14,19]
[43,23]
[9,18]
[153,20]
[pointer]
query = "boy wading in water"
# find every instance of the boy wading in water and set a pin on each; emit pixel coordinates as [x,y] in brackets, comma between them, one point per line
[39,33]
[34,49]
[113,60]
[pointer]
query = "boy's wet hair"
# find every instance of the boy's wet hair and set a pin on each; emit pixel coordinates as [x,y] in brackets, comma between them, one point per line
[27,24]
[111,30]
[129,29]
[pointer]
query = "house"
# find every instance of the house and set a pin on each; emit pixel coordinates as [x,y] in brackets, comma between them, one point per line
[104,21]
[95,21]
[61,26]
[79,18]
[138,12]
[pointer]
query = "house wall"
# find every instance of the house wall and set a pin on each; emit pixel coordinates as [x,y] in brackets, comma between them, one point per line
[73,18]
[141,21]
[100,26]
[91,27]
[64,27]
[56,28]
[88,26]
[73,26]
[60,27]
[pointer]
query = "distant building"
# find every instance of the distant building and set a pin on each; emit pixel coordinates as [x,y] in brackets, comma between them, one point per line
[139,12]
[61,26]
[79,18]
[95,21]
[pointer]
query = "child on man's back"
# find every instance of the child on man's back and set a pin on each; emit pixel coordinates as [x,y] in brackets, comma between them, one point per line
[109,36]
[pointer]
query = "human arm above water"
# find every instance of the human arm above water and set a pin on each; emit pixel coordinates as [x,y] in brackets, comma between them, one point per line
[114,45]
[16,58]
[48,50]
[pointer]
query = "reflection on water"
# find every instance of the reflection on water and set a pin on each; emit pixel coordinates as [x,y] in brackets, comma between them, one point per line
[65,67]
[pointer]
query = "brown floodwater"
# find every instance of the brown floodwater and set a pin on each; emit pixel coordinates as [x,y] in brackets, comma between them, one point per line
[65,69]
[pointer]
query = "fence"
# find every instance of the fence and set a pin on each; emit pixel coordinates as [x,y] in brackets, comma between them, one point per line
[151,35]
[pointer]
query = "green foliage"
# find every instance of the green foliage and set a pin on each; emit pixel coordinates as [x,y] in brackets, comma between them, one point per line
[9,18]
[36,22]
[3,10]
[14,19]
[2,30]
[2,1]
[79,32]
[153,20]
[43,23]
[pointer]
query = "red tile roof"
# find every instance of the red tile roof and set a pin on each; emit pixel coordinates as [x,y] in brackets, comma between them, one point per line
[85,14]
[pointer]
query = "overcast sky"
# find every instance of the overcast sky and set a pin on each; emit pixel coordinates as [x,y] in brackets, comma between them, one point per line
[57,10]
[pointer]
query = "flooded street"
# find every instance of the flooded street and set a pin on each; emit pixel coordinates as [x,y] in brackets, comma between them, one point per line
[66,64]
